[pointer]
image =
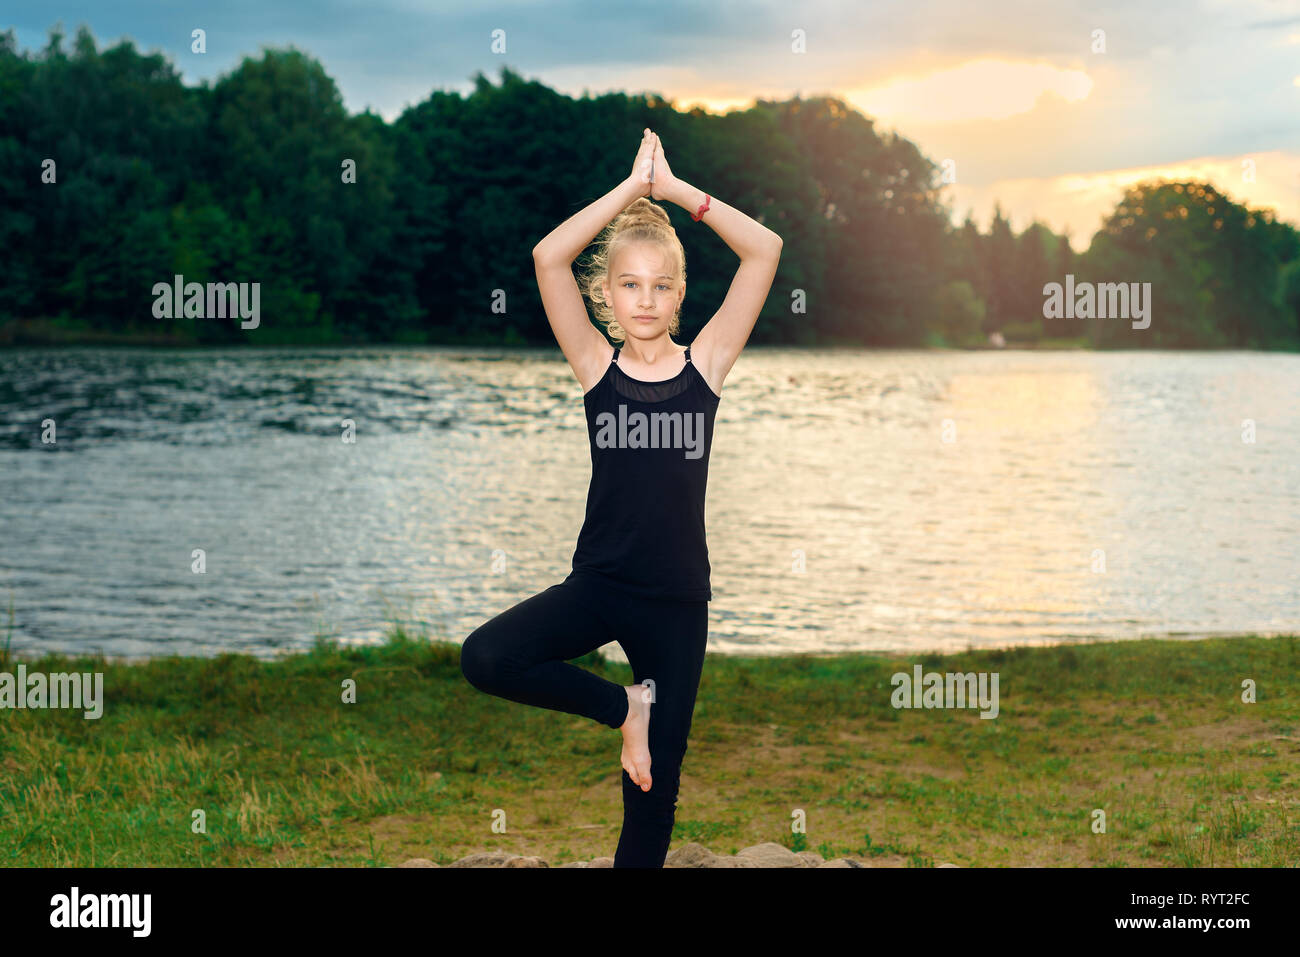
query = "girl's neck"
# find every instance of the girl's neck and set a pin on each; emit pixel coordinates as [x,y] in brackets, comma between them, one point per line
[648,352]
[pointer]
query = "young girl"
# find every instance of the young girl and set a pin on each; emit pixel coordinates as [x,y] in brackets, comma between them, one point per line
[641,569]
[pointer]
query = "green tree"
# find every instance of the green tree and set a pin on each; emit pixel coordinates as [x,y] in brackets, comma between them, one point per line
[243,180]
[1213,265]
[958,314]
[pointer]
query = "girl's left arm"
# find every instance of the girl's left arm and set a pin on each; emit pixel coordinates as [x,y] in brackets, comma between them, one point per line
[719,343]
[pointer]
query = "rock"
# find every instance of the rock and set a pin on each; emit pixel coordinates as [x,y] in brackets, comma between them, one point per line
[498,859]
[946,864]
[418,862]
[484,859]
[690,855]
[770,855]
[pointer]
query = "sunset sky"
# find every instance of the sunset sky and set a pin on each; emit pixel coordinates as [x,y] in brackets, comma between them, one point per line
[1011,91]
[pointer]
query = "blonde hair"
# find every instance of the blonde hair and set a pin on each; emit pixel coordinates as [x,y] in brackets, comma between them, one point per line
[641,222]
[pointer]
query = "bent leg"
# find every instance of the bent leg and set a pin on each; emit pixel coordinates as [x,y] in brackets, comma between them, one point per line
[664,641]
[522,653]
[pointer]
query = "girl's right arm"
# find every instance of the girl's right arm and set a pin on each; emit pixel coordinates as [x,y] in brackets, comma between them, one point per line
[582,343]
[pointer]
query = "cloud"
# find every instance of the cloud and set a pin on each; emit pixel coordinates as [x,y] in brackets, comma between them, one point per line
[985,89]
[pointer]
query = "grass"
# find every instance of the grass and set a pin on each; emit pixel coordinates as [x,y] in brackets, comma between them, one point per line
[281,771]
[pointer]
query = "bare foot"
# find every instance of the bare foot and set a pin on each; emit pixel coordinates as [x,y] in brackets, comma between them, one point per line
[636,736]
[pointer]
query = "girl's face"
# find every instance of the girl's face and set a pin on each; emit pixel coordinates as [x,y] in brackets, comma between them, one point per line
[641,291]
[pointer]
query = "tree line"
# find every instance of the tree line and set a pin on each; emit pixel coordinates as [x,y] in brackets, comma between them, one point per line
[117,177]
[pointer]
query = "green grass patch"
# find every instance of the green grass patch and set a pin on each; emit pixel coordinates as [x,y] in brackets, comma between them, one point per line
[282,771]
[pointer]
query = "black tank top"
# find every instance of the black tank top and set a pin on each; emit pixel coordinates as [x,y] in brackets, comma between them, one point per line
[644,527]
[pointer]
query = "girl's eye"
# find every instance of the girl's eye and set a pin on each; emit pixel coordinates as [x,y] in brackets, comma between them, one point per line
[660,286]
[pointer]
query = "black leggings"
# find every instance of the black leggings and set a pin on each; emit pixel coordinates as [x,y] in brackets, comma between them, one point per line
[521,655]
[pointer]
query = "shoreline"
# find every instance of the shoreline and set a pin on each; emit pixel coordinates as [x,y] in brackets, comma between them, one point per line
[28,655]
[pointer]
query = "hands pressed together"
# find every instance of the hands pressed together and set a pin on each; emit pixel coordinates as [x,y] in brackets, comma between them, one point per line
[651,162]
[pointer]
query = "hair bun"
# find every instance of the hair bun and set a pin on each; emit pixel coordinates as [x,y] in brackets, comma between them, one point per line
[642,212]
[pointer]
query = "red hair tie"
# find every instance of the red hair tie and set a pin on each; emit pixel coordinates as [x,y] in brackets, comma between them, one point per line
[703,206]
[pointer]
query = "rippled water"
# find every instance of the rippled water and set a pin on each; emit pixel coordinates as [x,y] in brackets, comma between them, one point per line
[933,499]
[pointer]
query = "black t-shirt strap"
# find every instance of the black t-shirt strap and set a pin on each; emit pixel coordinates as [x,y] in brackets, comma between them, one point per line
[615,357]
[688,353]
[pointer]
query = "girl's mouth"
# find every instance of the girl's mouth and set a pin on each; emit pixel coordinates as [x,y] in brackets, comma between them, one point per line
[644,318]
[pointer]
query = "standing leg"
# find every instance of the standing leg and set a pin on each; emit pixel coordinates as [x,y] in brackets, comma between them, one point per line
[522,653]
[664,641]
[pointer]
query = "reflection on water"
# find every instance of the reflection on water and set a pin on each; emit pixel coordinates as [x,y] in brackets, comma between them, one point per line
[933,500]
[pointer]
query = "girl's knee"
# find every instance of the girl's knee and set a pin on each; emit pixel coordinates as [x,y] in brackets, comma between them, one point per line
[478,663]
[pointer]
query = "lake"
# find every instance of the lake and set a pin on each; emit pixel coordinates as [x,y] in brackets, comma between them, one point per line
[858,500]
